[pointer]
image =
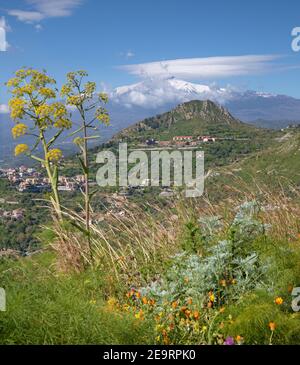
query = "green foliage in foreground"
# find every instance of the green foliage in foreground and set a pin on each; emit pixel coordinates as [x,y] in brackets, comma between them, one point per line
[222,285]
[44,307]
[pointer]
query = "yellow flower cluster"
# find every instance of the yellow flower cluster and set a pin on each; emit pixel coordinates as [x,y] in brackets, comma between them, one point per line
[65,90]
[103,97]
[19,130]
[44,110]
[62,123]
[74,99]
[36,78]
[21,91]
[54,155]
[13,82]
[21,148]
[78,141]
[17,107]
[59,110]
[102,115]
[47,92]
[90,88]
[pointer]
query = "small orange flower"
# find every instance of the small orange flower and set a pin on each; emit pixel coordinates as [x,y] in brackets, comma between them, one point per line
[272,326]
[190,301]
[174,305]
[196,315]
[278,300]
[138,295]
[222,309]
[166,340]
[183,309]
[130,293]
[172,326]
[239,340]
[144,300]
[151,302]
[187,313]
[209,305]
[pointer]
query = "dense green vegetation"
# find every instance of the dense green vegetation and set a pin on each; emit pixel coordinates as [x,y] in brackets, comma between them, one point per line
[219,269]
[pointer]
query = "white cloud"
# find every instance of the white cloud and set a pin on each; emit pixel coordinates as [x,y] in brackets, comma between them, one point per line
[38,27]
[204,68]
[26,16]
[3,29]
[42,9]
[156,92]
[4,109]
[128,54]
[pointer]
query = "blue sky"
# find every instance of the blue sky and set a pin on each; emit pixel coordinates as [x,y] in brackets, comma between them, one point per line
[103,36]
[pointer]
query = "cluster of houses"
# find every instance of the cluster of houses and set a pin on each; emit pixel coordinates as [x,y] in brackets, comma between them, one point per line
[182,141]
[16,214]
[30,180]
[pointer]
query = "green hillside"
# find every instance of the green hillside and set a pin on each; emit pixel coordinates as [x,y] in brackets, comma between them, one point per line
[234,139]
[276,168]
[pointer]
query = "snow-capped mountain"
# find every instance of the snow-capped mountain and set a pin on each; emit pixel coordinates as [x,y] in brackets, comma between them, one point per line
[159,95]
[156,92]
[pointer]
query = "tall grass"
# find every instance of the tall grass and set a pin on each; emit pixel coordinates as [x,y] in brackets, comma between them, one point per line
[147,235]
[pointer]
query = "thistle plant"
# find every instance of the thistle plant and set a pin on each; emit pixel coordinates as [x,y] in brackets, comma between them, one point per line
[36,112]
[82,95]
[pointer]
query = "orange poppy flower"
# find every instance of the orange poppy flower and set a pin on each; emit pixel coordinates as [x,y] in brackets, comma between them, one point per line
[278,300]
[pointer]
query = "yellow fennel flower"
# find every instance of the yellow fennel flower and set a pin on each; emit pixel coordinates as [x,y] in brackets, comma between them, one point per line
[16,106]
[54,155]
[63,123]
[47,92]
[44,110]
[19,130]
[21,148]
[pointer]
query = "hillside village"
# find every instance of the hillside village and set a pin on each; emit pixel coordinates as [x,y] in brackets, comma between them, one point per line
[28,179]
[181,141]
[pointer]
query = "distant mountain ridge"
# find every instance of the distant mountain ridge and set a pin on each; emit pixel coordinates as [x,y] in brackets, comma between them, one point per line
[163,94]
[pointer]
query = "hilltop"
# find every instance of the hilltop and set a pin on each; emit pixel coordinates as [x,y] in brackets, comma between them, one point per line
[190,118]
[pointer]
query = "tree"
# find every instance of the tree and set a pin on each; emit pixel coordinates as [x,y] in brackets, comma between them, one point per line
[34,102]
[89,104]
